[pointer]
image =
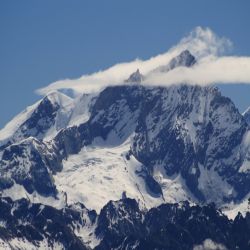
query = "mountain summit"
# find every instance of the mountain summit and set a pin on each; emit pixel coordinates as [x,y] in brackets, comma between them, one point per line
[184,59]
[135,77]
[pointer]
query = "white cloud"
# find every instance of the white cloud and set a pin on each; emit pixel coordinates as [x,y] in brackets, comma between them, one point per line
[208,71]
[203,43]
[210,245]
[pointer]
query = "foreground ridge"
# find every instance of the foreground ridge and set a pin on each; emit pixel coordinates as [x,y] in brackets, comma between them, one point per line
[120,225]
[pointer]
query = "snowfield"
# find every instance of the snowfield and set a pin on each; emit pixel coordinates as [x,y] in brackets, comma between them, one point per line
[100,173]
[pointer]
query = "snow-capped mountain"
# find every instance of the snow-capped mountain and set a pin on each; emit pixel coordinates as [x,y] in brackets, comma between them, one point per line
[161,136]
[41,120]
[147,145]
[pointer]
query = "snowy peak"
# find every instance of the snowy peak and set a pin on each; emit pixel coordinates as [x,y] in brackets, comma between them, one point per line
[41,120]
[51,115]
[184,59]
[135,77]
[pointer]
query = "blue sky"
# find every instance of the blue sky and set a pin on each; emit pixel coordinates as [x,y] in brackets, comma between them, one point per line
[44,41]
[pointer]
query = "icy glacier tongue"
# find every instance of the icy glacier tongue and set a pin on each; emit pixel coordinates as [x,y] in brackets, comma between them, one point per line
[100,173]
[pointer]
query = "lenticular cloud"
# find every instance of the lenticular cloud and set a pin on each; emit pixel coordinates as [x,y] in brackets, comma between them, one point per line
[212,67]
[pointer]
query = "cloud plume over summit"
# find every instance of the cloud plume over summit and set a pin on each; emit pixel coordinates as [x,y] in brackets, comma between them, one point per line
[212,66]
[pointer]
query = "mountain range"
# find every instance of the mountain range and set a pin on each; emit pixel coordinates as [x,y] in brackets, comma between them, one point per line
[128,167]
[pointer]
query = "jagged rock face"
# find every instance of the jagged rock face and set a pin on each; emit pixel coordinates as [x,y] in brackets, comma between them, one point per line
[72,140]
[191,226]
[117,220]
[116,111]
[185,129]
[30,164]
[169,226]
[37,224]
